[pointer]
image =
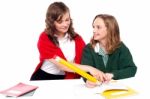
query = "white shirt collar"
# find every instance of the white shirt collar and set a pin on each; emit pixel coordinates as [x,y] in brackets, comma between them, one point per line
[97,47]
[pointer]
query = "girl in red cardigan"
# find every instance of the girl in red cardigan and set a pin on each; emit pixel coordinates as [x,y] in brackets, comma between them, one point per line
[59,38]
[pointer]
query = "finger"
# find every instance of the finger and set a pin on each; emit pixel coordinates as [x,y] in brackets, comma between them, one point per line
[101,78]
[90,84]
[108,77]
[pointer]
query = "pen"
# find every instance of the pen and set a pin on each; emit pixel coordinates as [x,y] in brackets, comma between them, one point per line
[77,70]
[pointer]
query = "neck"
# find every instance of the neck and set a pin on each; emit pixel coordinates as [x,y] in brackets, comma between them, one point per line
[102,43]
[60,35]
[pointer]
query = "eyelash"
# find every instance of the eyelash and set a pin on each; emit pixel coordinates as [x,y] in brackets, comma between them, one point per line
[62,21]
[98,27]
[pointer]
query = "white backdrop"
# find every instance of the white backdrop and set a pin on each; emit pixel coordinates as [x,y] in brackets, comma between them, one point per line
[21,22]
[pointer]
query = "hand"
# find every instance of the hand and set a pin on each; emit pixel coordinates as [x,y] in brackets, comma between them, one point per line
[90,84]
[97,74]
[108,76]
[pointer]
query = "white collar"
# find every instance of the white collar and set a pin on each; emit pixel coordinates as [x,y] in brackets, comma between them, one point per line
[63,39]
[98,49]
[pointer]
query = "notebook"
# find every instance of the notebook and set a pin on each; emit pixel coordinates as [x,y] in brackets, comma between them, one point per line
[19,89]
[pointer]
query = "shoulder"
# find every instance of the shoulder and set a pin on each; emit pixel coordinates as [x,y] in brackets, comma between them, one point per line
[88,47]
[123,47]
[43,35]
[44,39]
[79,39]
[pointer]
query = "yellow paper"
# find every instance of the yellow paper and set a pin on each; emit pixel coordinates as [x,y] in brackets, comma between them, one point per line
[76,69]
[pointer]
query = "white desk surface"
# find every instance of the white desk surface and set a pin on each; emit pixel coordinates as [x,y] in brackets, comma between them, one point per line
[67,89]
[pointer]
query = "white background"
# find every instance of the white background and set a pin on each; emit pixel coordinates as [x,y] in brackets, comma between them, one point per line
[21,22]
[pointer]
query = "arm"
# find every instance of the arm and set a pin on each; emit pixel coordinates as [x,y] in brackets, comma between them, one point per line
[85,68]
[48,50]
[88,60]
[126,66]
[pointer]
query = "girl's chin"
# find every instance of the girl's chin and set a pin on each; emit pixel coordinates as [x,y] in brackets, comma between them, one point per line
[64,31]
[96,39]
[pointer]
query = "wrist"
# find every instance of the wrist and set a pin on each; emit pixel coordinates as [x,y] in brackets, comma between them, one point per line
[86,68]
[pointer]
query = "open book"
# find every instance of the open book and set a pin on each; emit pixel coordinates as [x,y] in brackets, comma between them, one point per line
[19,90]
[113,90]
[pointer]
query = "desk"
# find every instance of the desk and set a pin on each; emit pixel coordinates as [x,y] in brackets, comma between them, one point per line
[66,89]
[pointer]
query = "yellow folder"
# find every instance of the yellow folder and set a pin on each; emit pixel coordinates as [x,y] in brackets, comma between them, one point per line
[118,93]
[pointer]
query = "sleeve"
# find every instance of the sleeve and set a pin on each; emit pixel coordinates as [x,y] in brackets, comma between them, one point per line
[126,67]
[86,58]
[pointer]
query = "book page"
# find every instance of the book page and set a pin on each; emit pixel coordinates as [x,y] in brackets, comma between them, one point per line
[111,90]
[114,85]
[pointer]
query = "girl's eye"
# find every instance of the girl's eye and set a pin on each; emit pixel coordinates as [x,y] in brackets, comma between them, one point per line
[98,27]
[59,22]
[93,26]
[67,20]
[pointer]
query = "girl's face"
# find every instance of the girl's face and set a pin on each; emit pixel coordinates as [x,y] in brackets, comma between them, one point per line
[99,30]
[63,24]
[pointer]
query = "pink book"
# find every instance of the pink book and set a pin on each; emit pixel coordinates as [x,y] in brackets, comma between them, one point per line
[18,90]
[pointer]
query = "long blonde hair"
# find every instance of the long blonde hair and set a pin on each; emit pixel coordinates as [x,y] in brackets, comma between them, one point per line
[113,33]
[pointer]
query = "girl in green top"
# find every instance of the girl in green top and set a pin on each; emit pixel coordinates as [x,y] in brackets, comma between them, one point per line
[107,52]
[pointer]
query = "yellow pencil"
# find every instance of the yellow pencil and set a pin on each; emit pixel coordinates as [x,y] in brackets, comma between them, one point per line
[76,69]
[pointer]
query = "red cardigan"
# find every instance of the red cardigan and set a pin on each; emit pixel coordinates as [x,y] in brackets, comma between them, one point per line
[48,49]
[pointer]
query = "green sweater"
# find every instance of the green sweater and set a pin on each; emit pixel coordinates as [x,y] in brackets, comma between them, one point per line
[120,62]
